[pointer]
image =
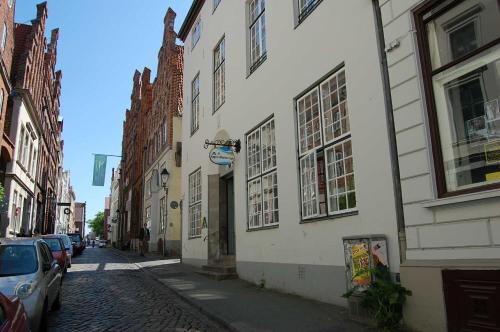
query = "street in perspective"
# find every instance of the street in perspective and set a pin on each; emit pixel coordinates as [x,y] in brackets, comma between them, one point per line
[300,165]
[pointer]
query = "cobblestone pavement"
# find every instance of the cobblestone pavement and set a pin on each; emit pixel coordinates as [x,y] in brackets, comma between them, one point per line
[104,292]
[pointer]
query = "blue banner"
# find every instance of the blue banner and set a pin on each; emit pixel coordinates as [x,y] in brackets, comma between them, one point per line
[99,170]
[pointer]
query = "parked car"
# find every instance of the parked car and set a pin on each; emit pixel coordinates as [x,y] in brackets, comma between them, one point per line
[28,271]
[103,243]
[79,244]
[68,247]
[13,317]
[56,246]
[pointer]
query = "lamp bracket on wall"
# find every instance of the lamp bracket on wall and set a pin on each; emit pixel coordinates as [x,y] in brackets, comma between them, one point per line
[233,143]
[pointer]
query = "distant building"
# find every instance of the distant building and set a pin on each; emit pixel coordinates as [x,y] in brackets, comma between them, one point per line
[32,122]
[114,209]
[164,147]
[133,157]
[107,218]
[7,9]
[80,218]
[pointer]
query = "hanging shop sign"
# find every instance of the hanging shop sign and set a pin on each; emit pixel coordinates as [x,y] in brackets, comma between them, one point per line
[174,205]
[222,155]
[224,151]
[67,211]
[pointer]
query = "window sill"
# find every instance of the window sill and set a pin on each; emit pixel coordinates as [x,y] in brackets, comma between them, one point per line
[194,237]
[303,16]
[194,132]
[257,64]
[262,228]
[461,199]
[336,216]
[218,108]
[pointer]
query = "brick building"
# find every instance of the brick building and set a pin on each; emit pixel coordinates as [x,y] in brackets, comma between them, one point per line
[133,156]
[7,9]
[164,125]
[32,124]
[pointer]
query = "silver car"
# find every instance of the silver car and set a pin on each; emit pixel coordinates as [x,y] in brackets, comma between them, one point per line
[27,270]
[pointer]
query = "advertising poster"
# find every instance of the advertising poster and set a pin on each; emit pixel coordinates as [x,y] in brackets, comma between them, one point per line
[360,257]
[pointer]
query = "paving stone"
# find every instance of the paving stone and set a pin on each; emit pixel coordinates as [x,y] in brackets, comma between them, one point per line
[104,292]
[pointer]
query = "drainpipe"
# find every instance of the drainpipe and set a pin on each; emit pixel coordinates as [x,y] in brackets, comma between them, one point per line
[393,148]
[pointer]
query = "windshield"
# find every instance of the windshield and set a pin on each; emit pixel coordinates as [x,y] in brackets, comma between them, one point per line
[17,260]
[54,244]
[67,241]
[75,238]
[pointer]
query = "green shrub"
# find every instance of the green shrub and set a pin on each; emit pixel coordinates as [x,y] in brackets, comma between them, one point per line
[383,299]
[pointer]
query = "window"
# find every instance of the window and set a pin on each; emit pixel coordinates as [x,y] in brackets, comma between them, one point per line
[164,131]
[257,33]
[163,215]
[28,164]
[219,74]
[20,145]
[26,148]
[216,4]
[4,36]
[262,179]
[306,7]
[325,150]
[33,162]
[148,217]
[195,36]
[14,207]
[148,188]
[10,3]
[195,204]
[460,48]
[1,103]
[195,104]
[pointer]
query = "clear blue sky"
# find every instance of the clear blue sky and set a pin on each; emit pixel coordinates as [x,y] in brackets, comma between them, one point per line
[101,43]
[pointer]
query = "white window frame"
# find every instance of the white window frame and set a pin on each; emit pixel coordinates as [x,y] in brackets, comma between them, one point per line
[220,74]
[196,33]
[195,200]
[257,33]
[195,104]
[4,36]
[1,102]
[311,205]
[259,202]
[216,4]
[303,99]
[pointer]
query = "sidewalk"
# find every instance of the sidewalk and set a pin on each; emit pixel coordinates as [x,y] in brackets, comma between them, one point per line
[242,306]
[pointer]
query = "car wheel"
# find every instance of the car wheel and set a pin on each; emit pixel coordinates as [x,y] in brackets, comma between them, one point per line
[57,302]
[44,318]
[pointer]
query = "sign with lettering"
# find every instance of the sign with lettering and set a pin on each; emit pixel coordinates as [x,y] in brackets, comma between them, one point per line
[222,155]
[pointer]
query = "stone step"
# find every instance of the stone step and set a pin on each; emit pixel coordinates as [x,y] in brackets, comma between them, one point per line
[217,275]
[219,268]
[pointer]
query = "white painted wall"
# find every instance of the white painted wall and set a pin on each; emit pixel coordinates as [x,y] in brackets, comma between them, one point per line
[334,33]
[17,177]
[465,227]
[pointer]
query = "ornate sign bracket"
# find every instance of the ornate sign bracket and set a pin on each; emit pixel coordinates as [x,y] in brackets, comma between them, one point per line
[232,143]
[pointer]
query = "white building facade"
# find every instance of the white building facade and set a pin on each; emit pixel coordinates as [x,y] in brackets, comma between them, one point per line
[443,62]
[63,212]
[298,84]
[21,172]
[114,210]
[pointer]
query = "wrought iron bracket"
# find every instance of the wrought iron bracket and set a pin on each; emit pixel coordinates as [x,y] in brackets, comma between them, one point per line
[233,143]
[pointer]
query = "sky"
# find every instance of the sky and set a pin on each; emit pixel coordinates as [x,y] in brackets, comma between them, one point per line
[101,44]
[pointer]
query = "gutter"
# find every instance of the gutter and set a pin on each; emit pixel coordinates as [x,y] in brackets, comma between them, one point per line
[393,148]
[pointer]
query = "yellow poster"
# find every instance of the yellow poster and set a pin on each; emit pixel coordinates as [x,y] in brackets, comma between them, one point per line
[360,264]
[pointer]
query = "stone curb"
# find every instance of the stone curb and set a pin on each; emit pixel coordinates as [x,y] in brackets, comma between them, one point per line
[216,318]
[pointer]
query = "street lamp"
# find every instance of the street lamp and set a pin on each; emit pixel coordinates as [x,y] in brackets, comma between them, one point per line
[165,175]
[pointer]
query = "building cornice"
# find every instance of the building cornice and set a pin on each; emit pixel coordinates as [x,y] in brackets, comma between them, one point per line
[190,19]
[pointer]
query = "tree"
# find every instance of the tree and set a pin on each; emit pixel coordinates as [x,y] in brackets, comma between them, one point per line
[97,224]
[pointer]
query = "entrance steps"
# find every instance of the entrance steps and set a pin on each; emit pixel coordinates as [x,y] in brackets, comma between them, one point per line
[219,271]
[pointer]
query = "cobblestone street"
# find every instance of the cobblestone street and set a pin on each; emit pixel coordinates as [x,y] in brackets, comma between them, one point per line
[104,292]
